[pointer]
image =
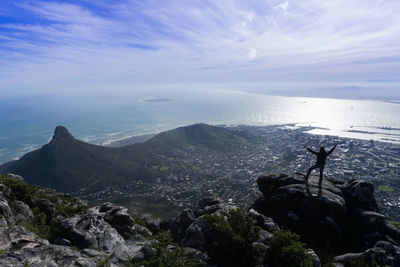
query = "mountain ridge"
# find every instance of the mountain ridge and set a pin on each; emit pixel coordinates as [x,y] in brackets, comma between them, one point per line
[68,164]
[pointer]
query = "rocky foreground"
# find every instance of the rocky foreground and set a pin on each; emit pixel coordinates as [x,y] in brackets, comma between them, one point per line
[40,227]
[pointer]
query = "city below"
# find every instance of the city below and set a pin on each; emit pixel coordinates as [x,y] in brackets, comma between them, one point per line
[196,172]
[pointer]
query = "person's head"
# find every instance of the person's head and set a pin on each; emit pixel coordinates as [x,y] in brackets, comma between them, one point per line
[322,149]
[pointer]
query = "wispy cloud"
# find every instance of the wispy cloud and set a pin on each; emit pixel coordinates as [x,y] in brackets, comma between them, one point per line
[45,45]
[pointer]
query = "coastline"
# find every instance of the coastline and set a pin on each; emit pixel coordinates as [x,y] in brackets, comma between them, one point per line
[125,139]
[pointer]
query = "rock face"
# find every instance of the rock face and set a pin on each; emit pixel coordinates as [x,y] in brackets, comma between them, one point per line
[383,253]
[101,232]
[342,217]
[18,237]
[50,256]
[61,134]
[359,196]
[108,228]
[339,215]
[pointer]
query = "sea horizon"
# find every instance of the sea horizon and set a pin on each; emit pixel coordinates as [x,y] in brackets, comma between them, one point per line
[107,120]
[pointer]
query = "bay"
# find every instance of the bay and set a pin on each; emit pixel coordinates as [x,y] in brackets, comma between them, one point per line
[28,122]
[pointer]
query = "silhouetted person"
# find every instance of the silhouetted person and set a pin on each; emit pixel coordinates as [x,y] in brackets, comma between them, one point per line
[320,164]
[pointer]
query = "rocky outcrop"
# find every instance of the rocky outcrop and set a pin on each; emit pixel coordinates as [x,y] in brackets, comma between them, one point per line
[264,222]
[102,232]
[118,217]
[108,228]
[18,237]
[359,196]
[339,215]
[49,255]
[383,253]
[5,211]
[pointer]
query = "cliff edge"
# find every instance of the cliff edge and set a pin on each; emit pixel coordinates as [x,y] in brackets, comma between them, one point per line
[291,224]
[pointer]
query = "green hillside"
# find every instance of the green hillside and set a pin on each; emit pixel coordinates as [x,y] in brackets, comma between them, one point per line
[67,164]
[212,137]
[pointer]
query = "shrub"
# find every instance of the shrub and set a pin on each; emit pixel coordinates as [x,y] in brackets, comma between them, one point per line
[20,190]
[229,242]
[166,257]
[327,257]
[287,250]
[27,193]
[361,263]
[138,220]
[106,262]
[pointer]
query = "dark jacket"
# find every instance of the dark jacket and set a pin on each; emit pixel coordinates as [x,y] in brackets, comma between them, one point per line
[322,155]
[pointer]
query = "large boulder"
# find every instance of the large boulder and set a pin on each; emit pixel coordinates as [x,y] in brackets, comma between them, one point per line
[338,215]
[98,228]
[118,217]
[383,253]
[5,211]
[264,222]
[317,215]
[49,256]
[47,207]
[211,205]
[359,195]
[22,211]
[183,220]
[89,230]
[194,236]
[18,237]
[153,224]
[15,177]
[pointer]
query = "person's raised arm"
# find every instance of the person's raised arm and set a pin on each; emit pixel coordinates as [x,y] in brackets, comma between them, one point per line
[312,151]
[333,148]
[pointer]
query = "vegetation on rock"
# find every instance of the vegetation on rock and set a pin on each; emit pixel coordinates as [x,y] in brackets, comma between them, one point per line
[31,195]
[168,254]
[288,250]
[230,239]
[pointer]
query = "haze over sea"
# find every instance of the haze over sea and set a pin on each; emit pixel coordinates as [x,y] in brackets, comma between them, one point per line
[28,124]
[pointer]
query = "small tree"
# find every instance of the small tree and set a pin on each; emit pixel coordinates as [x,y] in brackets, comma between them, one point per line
[229,242]
[288,250]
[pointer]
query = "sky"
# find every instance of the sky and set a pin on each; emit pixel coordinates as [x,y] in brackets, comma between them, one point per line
[314,47]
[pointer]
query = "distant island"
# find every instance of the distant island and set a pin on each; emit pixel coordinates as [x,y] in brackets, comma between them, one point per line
[157,100]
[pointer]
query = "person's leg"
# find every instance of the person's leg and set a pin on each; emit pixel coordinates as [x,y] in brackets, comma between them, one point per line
[309,172]
[321,174]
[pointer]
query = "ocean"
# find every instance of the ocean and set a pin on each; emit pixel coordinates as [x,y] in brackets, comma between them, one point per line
[28,123]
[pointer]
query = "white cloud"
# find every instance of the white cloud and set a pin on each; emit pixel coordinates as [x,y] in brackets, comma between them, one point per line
[253,54]
[283,6]
[136,43]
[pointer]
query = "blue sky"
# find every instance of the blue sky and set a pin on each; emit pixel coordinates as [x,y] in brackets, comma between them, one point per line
[261,46]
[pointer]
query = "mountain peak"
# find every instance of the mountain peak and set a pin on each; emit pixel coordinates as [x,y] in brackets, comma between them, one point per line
[61,133]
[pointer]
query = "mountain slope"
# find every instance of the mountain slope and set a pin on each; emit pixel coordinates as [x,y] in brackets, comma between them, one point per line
[211,137]
[68,164]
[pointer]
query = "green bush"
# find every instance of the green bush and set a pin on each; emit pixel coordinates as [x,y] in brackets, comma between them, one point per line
[287,250]
[361,263]
[166,257]
[27,193]
[326,256]
[229,242]
[106,262]
[138,220]
[19,190]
